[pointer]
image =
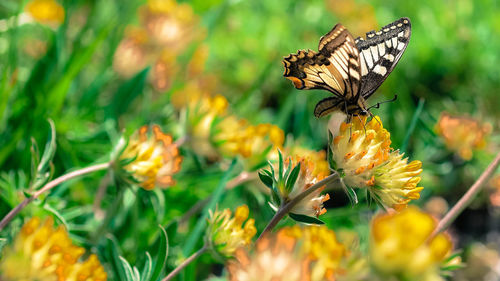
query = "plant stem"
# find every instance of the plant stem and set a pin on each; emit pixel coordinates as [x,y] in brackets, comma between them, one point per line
[48,187]
[287,207]
[467,197]
[101,191]
[185,263]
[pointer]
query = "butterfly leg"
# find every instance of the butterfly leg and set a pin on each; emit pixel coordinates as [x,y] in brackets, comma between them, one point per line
[361,121]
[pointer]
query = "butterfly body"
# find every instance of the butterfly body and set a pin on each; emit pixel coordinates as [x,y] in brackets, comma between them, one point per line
[351,69]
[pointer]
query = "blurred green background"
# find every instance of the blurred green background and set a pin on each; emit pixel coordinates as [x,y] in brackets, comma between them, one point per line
[74,74]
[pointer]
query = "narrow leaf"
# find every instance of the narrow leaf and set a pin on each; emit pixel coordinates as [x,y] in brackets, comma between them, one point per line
[331,162]
[161,257]
[200,225]
[290,181]
[148,268]
[266,179]
[280,166]
[305,219]
[113,257]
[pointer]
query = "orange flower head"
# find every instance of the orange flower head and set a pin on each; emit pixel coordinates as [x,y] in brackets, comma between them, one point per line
[462,134]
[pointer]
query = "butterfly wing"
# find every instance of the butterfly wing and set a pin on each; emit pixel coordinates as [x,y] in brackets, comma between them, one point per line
[380,52]
[327,105]
[330,68]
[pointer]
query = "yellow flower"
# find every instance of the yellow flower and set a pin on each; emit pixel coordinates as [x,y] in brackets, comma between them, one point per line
[155,159]
[42,252]
[462,134]
[202,114]
[213,132]
[319,244]
[401,244]
[46,11]
[225,234]
[257,143]
[292,254]
[317,157]
[361,152]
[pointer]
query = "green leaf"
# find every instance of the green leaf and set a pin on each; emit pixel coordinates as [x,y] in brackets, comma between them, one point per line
[266,179]
[79,59]
[161,257]
[275,198]
[351,194]
[290,181]
[331,162]
[280,166]
[129,272]
[126,94]
[411,128]
[50,149]
[305,219]
[200,224]
[288,170]
[148,268]
[114,258]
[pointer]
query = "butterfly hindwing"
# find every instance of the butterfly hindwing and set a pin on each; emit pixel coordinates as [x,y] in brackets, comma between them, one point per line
[327,105]
[380,52]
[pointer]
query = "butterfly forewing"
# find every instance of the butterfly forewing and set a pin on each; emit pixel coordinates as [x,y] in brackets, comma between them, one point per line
[380,52]
[330,69]
[339,47]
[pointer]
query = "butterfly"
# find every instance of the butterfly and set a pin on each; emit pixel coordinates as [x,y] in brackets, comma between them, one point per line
[351,69]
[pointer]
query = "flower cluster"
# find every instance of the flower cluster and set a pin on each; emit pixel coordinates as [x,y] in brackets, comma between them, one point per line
[213,132]
[225,234]
[401,245]
[292,254]
[166,29]
[47,12]
[150,160]
[300,174]
[42,252]
[361,152]
[462,134]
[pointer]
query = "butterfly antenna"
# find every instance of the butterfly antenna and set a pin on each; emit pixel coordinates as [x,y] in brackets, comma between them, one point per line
[377,105]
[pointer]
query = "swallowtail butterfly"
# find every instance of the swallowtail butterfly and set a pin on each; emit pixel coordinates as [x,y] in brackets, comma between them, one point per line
[351,69]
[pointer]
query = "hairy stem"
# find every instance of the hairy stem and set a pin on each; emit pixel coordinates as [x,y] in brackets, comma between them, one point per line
[185,263]
[48,187]
[285,209]
[468,197]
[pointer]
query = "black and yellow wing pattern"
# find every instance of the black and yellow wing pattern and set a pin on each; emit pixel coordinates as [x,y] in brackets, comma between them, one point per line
[380,52]
[351,69]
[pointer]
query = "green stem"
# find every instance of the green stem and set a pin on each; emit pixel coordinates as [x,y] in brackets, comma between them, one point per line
[185,263]
[110,213]
[48,187]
